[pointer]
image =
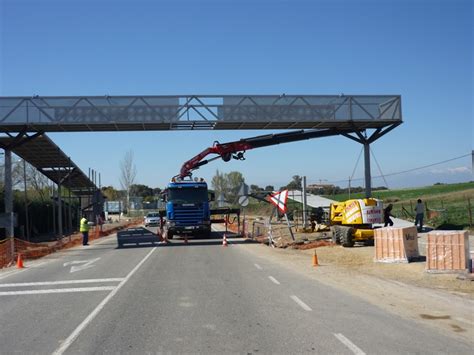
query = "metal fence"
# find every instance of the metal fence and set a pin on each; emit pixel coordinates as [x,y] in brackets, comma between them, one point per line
[440,213]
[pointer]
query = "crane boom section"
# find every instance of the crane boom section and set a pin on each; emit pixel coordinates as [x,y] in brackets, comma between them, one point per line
[226,150]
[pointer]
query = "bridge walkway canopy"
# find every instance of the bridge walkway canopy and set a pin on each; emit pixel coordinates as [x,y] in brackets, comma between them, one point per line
[42,153]
[198,112]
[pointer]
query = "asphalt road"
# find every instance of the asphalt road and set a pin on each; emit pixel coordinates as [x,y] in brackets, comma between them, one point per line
[198,297]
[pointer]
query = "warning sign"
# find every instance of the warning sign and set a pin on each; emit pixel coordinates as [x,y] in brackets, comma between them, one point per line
[279,200]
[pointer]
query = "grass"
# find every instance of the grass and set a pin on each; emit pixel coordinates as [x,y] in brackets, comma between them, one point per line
[409,194]
[447,205]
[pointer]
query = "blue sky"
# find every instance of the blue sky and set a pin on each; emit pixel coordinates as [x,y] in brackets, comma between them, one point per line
[422,50]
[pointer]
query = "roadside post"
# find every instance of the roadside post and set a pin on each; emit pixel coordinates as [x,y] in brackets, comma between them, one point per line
[279,200]
[243,201]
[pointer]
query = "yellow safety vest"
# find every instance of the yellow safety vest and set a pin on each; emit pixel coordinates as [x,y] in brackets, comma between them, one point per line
[84,226]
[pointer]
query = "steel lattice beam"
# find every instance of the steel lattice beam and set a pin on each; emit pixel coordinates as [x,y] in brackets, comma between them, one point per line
[198,112]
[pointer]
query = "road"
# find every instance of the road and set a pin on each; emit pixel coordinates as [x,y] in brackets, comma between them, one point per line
[198,297]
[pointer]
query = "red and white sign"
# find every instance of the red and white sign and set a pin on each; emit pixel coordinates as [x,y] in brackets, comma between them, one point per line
[279,200]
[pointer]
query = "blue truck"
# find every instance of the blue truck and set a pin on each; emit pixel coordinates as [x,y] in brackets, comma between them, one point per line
[187,208]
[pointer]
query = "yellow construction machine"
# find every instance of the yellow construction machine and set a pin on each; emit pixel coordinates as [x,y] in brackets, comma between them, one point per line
[352,221]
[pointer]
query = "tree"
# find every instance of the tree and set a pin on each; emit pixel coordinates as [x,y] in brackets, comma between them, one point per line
[141,190]
[255,188]
[37,181]
[110,193]
[294,184]
[269,188]
[128,172]
[228,185]
[218,184]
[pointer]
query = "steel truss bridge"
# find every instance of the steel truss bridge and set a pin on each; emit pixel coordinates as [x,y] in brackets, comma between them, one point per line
[362,118]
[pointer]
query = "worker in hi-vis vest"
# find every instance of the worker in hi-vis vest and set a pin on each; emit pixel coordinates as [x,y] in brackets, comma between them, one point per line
[84,229]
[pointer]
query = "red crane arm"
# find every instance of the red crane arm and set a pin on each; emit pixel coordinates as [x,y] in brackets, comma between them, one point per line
[226,150]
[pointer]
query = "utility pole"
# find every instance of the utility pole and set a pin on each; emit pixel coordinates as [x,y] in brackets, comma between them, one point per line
[27,223]
[305,204]
[349,187]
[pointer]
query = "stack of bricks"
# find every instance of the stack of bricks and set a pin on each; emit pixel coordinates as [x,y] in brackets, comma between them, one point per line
[447,251]
[396,245]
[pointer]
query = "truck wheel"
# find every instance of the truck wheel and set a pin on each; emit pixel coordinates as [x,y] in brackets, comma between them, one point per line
[170,235]
[336,234]
[346,237]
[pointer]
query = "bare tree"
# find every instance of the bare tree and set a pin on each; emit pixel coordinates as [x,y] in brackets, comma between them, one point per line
[17,172]
[37,181]
[128,172]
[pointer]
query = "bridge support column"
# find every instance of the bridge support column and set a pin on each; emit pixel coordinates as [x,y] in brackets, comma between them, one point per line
[368,176]
[8,198]
[60,214]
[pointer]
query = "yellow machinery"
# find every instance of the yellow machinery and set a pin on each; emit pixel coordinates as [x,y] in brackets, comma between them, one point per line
[351,221]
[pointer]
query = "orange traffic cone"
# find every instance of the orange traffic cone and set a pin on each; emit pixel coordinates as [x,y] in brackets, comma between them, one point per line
[19,262]
[315,258]
[224,241]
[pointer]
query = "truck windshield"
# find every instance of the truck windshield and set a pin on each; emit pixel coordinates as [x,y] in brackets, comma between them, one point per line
[187,194]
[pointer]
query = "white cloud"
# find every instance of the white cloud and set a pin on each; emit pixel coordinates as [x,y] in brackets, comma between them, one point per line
[453,171]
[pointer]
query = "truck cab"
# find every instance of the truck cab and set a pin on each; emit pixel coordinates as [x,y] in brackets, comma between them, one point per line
[187,208]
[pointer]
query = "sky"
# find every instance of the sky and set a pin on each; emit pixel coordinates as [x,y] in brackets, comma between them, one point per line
[421,50]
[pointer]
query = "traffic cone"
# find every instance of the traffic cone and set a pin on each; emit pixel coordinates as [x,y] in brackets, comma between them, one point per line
[224,241]
[19,262]
[315,258]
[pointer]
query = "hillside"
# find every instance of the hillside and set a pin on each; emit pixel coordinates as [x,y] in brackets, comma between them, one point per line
[449,206]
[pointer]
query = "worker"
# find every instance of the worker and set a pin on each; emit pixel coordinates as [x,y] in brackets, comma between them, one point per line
[420,213]
[387,213]
[84,229]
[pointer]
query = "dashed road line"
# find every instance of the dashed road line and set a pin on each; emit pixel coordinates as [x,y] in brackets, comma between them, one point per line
[57,290]
[258,266]
[70,339]
[301,303]
[65,282]
[354,348]
[275,281]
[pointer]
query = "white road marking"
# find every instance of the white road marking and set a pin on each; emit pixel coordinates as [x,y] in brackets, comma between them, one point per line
[86,264]
[65,282]
[354,348]
[57,290]
[301,303]
[70,339]
[258,266]
[275,281]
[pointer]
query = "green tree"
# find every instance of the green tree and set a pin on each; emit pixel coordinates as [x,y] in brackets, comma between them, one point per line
[110,193]
[255,188]
[228,185]
[139,190]
[294,184]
